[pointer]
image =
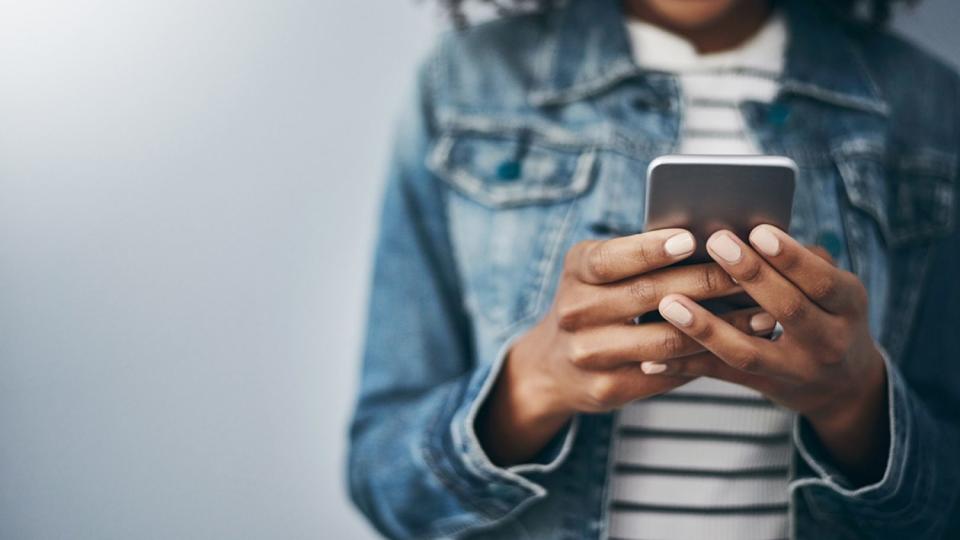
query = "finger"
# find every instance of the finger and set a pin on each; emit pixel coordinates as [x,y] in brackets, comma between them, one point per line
[614,346]
[822,253]
[774,292]
[740,351]
[700,364]
[738,300]
[607,261]
[706,364]
[617,387]
[828,286]
[590,305]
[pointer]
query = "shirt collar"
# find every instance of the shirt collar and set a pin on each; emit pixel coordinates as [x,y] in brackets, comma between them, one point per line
[589,51]
[658,49]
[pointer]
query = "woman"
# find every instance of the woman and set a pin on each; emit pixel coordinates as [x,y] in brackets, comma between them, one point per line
[507,392]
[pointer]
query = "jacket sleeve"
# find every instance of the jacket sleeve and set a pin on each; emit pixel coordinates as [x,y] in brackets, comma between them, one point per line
[917,497]
[416,468]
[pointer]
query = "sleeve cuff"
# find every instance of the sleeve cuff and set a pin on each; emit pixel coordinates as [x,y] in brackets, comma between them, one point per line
[497,490]
[473,454]
[817,468]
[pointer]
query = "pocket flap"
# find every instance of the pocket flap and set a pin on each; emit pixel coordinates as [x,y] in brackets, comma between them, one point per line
[511,169]
[911,199]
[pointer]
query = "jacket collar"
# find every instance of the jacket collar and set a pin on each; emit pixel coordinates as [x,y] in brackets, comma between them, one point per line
[589,51]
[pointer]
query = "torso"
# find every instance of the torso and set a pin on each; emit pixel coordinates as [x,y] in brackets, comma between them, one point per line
[709,459]
[532,168]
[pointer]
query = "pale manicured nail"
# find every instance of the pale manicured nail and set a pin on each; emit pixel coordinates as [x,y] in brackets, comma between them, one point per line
[677,313]
[679,244]
[652,368]
[725,248]
[765,241]
[762,322]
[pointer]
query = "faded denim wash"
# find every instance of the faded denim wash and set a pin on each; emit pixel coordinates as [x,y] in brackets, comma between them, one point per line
[531,133]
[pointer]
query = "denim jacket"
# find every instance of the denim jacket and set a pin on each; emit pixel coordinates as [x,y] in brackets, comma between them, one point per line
[533,132]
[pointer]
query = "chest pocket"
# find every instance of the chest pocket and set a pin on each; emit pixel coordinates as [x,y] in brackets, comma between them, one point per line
[510,171]
[511,209]
[910,197]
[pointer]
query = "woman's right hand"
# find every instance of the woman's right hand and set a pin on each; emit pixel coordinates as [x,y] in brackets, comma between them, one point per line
[585,354]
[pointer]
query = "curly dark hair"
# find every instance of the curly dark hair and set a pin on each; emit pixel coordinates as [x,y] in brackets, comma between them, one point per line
[873,12]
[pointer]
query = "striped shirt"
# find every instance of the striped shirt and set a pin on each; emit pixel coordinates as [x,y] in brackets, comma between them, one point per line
[709,459]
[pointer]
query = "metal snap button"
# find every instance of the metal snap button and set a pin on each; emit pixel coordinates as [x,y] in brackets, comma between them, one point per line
[508,171]
[778,114]
[831,242]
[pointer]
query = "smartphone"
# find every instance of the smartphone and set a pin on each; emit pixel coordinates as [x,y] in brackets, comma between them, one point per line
[705,194]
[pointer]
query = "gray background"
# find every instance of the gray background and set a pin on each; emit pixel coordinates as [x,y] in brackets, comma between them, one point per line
[188,191]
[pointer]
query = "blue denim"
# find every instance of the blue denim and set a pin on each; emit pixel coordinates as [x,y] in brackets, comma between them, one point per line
[528,134]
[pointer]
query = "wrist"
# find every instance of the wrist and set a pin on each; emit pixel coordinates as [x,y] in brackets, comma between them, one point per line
[522,413]
[854,429]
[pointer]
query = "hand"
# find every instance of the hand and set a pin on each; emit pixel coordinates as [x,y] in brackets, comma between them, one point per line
[585,355]
[825,366]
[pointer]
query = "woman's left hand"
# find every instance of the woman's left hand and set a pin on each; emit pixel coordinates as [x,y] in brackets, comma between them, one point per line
[825,365]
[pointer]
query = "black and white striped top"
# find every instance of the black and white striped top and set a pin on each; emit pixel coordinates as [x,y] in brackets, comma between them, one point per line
[709,459]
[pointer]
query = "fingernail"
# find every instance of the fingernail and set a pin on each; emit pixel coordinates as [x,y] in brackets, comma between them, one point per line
[725,248]
[765,241]
[652,368]
[762,322]
[677,313]
[679,244]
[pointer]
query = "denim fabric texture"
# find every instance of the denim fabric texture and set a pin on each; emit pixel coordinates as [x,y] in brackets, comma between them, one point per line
[528,134]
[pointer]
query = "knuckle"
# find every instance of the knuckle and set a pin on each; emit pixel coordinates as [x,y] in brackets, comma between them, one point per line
[603,391]
[643,254]
[708,279]
[569,316]
[752,273]
[599,265]
[750,361]
[580,355]
[789,260]
[644,292]
[672,344]
[703,332]
[824,288]
[793,310]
